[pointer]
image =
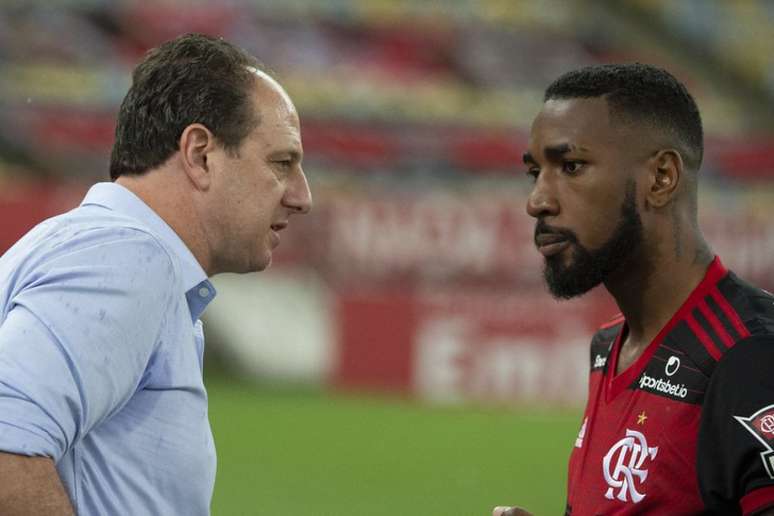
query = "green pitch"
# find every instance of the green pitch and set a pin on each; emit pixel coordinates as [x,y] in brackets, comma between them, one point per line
[317,454]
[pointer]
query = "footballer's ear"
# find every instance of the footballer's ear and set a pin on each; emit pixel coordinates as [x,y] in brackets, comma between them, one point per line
[665,172]
[196,142]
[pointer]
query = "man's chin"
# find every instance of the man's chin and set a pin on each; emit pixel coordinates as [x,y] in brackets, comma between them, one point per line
[564,294]
[256,263]
[567,284]
[263,263]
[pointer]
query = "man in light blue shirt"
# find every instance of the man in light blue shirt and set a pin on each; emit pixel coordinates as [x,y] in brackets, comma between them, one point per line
[102,405]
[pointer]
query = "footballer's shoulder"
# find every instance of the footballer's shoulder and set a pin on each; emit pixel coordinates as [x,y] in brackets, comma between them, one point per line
[749,309]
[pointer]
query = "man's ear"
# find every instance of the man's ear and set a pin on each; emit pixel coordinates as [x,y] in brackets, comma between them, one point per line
[196,142]
[665,174]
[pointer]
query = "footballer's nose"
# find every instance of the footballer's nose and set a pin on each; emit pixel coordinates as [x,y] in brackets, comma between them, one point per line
[542,201]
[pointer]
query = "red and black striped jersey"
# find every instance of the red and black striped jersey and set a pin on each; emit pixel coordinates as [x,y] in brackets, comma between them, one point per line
[688,428]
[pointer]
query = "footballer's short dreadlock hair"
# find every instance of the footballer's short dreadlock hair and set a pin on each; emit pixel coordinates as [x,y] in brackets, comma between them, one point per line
[643,94]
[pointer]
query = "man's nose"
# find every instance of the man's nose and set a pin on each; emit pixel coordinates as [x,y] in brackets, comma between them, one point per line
[542,200]
[299,196]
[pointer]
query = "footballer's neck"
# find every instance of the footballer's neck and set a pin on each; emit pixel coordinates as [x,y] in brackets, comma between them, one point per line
[651,289]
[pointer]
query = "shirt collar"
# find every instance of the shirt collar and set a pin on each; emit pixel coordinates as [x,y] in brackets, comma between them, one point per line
[121,200]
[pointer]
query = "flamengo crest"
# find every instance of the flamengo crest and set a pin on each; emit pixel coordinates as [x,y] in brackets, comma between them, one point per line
[623,469]
[761,425]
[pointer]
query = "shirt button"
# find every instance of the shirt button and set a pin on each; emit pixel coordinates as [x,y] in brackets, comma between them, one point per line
[204,292]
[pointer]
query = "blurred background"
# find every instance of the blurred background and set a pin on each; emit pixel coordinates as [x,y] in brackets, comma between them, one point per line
[401,356]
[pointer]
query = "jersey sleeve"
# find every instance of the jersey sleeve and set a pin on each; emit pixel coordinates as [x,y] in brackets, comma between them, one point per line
[77,338]
[735,461]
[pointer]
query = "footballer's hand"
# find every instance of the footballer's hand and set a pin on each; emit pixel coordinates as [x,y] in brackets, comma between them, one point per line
[510,511]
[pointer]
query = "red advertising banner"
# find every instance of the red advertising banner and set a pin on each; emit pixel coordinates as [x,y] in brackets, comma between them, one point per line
[441,295]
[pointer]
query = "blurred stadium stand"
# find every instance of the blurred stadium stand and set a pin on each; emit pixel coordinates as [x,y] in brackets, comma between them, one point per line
[415,116]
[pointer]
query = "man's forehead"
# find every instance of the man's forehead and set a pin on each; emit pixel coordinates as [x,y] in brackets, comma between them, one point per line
[575,112]
[269,85]
[581,122]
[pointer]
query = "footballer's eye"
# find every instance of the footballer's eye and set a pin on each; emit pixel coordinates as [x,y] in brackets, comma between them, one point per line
[572,166]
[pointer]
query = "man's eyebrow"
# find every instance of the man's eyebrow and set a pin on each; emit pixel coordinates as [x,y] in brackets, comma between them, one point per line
[291,153]
[555,152]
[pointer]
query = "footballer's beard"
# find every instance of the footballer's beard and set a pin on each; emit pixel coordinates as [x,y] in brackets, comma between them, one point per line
[588,268]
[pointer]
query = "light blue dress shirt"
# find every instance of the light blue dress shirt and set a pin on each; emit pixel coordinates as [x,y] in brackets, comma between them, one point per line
[101,358]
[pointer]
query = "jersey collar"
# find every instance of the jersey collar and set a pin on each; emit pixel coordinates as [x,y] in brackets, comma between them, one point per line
[618,383]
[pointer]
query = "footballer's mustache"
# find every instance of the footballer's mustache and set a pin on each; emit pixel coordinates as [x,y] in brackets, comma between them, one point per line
[543,230]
